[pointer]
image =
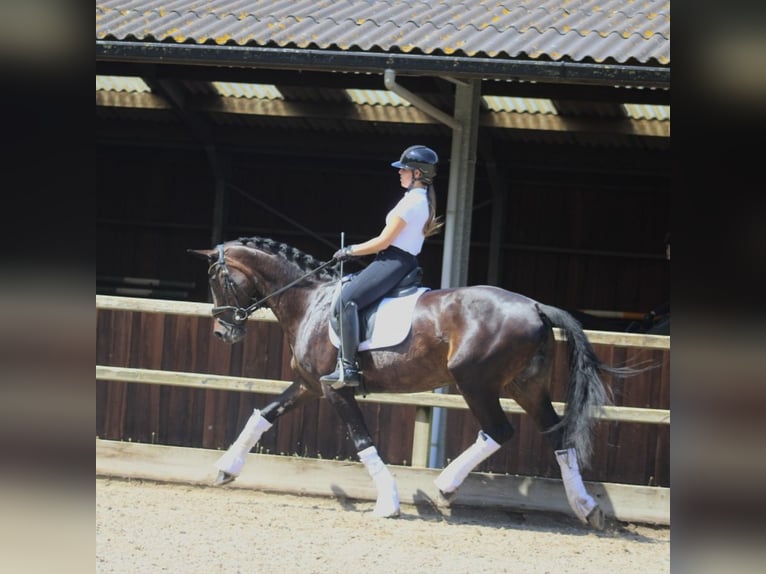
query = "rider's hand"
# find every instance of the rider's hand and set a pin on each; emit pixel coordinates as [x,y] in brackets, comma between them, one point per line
[343,254]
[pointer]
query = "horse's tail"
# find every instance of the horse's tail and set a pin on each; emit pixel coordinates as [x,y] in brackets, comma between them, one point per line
[586,393]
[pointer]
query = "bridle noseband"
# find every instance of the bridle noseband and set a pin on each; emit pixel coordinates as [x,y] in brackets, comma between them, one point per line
[241,314]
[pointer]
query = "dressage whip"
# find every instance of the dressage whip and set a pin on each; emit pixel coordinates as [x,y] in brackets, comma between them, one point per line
[340,305]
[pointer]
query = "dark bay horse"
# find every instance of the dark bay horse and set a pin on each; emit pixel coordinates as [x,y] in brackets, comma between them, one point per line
[483,339]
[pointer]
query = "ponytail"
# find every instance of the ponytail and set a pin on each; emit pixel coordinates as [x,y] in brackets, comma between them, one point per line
[433,224]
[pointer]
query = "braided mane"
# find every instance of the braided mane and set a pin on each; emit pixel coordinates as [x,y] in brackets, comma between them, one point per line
[303,260]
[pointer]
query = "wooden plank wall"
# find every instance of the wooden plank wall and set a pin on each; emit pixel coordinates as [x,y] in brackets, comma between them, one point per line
[628,453]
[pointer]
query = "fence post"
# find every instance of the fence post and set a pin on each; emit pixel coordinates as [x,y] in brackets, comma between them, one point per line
[421,436]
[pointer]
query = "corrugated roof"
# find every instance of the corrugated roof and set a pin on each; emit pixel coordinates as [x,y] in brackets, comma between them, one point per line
[552,30]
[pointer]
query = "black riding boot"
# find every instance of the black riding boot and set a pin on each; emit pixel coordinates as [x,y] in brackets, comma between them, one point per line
[346,373]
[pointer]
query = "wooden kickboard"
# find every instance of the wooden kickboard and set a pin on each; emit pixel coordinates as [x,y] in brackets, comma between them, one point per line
[349,479]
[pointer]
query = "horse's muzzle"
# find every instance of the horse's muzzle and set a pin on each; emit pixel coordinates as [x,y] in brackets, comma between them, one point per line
[229,333]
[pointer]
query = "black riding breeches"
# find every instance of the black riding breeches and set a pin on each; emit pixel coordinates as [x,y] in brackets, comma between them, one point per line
[379,277]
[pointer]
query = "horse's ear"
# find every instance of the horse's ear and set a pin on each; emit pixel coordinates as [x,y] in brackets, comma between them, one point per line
[209,254]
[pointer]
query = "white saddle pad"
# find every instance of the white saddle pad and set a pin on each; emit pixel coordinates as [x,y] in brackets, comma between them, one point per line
[392,323]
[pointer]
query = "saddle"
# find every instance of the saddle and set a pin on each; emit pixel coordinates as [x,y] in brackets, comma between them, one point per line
[388,322]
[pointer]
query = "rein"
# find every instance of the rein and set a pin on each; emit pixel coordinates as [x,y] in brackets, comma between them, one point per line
[242,313]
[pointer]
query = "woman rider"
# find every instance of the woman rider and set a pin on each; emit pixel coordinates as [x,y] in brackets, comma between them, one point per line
[396,248]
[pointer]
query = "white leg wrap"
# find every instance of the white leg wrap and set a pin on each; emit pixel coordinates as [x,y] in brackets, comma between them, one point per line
[387,503]
[455,472]
[234,459]
[581,502]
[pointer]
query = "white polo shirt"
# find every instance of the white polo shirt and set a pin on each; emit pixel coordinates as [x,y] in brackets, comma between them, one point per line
[413,209]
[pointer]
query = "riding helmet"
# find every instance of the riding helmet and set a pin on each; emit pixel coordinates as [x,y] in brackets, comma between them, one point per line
[419,157]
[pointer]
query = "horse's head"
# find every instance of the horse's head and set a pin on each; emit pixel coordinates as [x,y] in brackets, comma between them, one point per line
[230,287]
[250,268]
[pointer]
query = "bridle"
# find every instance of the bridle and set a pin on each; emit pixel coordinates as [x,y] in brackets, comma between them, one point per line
[241,314]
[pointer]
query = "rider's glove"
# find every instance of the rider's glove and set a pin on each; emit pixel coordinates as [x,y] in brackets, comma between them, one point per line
[343,254]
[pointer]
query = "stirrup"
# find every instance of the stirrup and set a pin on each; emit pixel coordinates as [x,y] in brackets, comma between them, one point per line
[342,376]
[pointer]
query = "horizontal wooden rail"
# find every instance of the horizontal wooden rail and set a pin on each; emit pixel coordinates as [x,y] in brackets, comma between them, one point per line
[269,386]
[115,303]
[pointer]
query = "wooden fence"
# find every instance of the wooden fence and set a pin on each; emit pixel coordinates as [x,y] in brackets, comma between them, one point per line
[162,378]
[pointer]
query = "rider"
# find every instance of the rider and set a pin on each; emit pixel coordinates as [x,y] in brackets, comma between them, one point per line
[411,220]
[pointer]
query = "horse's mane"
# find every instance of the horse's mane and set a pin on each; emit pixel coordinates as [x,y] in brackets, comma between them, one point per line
[304,261]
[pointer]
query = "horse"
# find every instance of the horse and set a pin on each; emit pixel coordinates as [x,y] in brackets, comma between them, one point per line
[483,339]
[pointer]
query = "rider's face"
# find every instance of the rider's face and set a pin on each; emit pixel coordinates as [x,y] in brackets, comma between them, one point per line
[405,177]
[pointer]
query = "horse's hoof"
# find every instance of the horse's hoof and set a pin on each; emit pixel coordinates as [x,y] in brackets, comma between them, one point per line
[224,478]
[596,518]
[444,499]
[386,513]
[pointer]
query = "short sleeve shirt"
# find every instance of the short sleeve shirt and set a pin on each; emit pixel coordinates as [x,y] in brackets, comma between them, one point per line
[413,209]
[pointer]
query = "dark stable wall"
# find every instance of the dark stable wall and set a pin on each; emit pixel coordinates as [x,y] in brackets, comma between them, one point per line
[581,229]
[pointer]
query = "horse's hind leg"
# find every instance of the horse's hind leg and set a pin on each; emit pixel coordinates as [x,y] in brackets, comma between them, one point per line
[582,503]
[495,430]
[532,395]
[230,464]
[344,402]
[453,475]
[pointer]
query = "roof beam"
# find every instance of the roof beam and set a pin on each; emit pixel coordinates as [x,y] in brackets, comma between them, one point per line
[561,72]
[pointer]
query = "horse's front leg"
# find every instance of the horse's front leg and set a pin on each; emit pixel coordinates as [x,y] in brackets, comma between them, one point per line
[230,464]
[344,402]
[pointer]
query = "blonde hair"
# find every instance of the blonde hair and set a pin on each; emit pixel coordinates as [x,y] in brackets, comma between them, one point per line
[434,223]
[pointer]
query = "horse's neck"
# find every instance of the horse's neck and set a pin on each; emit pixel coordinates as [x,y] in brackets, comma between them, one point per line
[291,305]
[269,278]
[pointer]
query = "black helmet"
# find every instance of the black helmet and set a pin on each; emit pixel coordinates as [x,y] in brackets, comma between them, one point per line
[419,157]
